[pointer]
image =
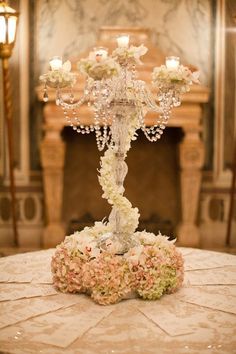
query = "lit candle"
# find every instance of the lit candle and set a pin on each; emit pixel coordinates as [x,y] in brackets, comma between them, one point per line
[172,62]
[123,40]
[56,63]
[100,53]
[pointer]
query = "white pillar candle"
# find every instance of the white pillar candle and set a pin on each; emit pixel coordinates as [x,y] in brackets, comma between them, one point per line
[56,63]
[172,62]
[123,40]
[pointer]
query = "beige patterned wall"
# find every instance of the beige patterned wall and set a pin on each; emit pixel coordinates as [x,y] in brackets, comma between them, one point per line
[68,27]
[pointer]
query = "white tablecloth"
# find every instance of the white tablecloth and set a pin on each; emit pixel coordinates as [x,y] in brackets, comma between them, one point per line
[200,318]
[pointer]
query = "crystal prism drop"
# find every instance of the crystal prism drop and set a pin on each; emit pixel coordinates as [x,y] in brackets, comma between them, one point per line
[45,97]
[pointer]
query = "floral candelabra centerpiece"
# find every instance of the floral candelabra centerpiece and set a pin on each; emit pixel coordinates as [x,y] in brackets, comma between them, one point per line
[111,260]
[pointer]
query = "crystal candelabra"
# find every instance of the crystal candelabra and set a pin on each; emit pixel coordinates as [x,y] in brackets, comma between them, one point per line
[120,102]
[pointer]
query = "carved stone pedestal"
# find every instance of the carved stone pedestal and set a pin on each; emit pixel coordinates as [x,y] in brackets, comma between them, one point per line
[52,157]
[191,163]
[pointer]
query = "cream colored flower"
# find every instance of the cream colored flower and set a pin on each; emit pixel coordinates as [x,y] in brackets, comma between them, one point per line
[67,66]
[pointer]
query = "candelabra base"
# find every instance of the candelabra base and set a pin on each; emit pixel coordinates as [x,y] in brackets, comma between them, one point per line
[120,241]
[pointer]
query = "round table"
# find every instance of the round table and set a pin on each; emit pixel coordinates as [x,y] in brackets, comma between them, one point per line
[199,318]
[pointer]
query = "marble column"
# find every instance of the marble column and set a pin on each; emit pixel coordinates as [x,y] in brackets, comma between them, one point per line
[191,152]
[52,158]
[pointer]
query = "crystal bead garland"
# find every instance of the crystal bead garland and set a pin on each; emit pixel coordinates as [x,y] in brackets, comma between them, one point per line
[119,101]
[45,93]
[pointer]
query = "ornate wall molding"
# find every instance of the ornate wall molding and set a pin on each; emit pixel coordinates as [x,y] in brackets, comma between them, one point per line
[29,219]
[214,209]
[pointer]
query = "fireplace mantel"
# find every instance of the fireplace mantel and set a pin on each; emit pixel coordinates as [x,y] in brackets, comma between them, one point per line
[191,149]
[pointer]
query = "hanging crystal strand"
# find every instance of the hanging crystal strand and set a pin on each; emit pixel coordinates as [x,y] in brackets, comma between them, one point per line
[58,96]
[73,119]
[125,89]
[104,111]
[144,100]
[71,95]
[101,106]
[45,93]
[133,73]
[101,142]
[168,98]
[98,133]
[95,105]
[72,104]
[104,127]
[66,115]
[109,141]
[107,114]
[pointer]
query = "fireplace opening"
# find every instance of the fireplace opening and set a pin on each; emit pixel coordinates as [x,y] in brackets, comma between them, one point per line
[152,183]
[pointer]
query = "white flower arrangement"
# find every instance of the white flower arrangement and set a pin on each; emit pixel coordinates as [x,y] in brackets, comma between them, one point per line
[151,268]
[181,77]
[111,191]
[98,69]
[129,55]
[62,77]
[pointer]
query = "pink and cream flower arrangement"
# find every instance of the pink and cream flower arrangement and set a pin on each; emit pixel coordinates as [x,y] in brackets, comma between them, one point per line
[62,77]
[98,67]
[182,77]
[150,269]
[129,55]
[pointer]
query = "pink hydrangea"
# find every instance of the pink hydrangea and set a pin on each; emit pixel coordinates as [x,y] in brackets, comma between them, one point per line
[108,278]
[67,271]
[150,269]
[157,271]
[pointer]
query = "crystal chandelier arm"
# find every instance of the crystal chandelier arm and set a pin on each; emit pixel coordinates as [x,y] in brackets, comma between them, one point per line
[112,80]
[149,100]
[72,105]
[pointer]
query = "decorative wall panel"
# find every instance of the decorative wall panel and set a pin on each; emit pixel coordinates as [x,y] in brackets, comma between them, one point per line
[69,27]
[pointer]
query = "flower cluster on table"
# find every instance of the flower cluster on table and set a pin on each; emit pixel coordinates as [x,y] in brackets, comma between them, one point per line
[181,77]
[62,76]
[152,267]
[98,70]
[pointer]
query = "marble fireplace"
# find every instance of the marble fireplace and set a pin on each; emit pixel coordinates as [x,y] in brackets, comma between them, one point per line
[188,118]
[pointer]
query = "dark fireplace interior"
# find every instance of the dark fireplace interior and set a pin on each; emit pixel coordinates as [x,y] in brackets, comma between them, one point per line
[152,183]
